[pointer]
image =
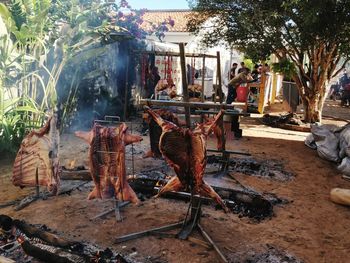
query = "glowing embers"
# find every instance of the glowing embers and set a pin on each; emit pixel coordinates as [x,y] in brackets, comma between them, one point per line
[107,161]
[37,161]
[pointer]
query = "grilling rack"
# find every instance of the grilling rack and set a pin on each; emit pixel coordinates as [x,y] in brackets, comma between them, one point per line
[114,121]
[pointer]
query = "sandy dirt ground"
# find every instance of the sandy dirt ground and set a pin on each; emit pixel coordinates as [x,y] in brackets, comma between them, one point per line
[308,227]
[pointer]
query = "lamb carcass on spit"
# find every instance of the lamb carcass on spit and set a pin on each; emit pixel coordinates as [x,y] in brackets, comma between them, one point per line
[107,161]
[38,153]
[155,131]
[185,151]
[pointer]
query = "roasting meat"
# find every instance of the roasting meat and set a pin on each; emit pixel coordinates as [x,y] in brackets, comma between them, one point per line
[155,131]
[218,130]
[185,151]
[39,154]
[107,161]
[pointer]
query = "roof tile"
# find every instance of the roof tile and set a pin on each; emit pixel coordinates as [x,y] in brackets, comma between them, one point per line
[158,16]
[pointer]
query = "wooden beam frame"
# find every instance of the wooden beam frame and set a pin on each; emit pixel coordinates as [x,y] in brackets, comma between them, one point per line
[191,104]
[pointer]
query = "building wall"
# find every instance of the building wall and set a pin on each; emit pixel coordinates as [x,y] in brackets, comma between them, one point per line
[174,37]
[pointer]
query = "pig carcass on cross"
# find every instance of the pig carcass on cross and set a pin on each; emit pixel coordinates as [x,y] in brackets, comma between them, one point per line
[107,161]
[38,153]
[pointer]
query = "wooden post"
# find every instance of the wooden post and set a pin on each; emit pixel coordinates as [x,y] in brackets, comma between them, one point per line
[202,95]
[126,88]
[218,76]
[274,87]
[184,83]
[262,93]
[203,70]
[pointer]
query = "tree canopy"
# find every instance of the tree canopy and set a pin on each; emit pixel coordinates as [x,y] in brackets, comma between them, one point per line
[311,32]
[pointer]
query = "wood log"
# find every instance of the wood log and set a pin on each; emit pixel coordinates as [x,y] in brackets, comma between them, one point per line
[6,260]
[340,196]
[34,232]
[42,254]
[81,175]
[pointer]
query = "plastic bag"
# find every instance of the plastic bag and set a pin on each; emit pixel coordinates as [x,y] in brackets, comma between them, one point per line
[344,166]
[344,142]
[327,142]
[310,142]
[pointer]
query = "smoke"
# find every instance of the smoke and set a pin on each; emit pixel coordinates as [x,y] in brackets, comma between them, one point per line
[96,87]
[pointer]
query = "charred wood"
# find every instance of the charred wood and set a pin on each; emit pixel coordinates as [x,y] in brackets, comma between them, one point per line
[34,232]
[42,254]
[81,175]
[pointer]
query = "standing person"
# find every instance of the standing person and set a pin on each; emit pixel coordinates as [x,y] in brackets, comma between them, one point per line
[153,81]
[243,67]
[334,91]
[256,73]
[266,67]
[345,85]
[242,77]
[232,72]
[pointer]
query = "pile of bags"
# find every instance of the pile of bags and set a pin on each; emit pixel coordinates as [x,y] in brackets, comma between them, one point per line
[333,143]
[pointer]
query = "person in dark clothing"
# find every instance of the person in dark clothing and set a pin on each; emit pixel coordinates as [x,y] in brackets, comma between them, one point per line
[243,67]
[243,77]
[256,73]
[153,81]
[345,85]
[334,91]
[232,72]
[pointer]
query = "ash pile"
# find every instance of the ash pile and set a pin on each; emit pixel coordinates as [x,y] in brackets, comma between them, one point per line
[271,169]
[268,254]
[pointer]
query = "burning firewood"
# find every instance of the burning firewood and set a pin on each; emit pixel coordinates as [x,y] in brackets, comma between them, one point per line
[155,131]
[185,151]
[107,161]
[38,158]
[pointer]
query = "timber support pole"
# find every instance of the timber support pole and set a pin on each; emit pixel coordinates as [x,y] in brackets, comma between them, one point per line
[184,83]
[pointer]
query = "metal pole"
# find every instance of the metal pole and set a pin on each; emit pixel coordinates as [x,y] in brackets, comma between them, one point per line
[132,154]
[184,83]
[146,232]
[117,214]
[126,88]
[207,237]
[37,188]
[202,95]
[203,71]
[218,76]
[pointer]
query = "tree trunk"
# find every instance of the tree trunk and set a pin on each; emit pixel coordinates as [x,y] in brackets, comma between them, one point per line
[313,102]
[312,110]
